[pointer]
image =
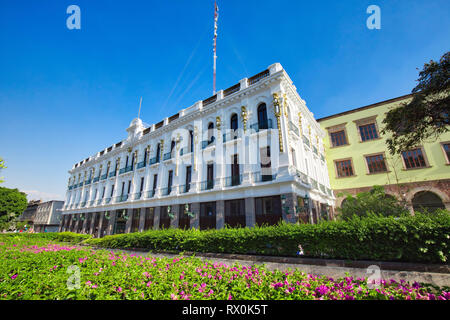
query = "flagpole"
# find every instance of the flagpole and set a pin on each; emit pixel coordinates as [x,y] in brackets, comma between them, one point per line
[216,16]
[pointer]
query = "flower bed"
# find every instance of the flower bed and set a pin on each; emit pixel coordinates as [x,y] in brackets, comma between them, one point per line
[39,270]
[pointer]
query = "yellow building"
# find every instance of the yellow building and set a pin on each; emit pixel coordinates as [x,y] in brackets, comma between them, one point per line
[358,158]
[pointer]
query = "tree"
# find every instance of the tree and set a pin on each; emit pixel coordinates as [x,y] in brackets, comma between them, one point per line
[12,204]
[374,201]
[427,114]
[2,166]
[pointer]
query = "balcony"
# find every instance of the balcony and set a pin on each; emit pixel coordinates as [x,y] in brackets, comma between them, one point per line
[306,141]
[322,188]
[315,150]
[303,177]
[167,156]
[154,160]
[184,150]
[263,125]
[80,184]
[150,194]
[258,177]
[83,204]
[294,128]
[232,181]
[207,185]
[122,198]
[184,188]
[87,182]
[166,191]
[206,143]
[126,169]
[96,179]
[99,201]
[91,203]
[112,174]
[230,136]
[141,164]
[107,200]
[314,184]
[137,195]
[103,177]
[232,90]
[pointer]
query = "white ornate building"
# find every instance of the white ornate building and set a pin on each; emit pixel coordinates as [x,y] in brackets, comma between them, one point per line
[250,154]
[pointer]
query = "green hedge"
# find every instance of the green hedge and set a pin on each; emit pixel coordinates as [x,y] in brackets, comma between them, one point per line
[51,236]
[419,238]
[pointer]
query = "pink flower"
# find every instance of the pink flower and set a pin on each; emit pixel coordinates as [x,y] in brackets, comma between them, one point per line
[14,277]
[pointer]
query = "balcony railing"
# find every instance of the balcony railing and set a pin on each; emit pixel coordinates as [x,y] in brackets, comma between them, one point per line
[107,200]
[263,125]
[80,184]
[230,136]
[322,188]
[141,164]
[126,169]
[122,198]
[87,182]
[232,90]
[166,191]
[184,188]
[314,184]
[99,201]
[303,177]
[206,143]
[259,177]
[137,195]
[314,150]
[207,185]
[103,177]
[112,174]
[91,203]
[258,77]
[294,128]
[83,204]
[96,179]
[150,194]
[306,141]
[154,160]
[167,156]
[184,150]
[233,181]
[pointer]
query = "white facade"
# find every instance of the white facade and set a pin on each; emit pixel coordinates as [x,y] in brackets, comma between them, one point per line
[296,154]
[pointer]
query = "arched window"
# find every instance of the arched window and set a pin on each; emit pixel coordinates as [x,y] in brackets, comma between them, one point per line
[262,116]
[210,132]
[234,122]
[427,201]
[191,140]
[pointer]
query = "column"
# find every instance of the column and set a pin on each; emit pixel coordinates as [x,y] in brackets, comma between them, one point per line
[129,221]
[83,230]
[250,212]
[288,207]
[92,226]
[100,222]
[220,214]
[156,218]
[195,208]
[142,220]
[175,210]
[111,222]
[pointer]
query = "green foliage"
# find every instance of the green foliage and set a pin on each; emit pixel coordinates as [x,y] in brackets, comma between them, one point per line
[2,166]
[418,238]
[373,201]
[69,237]
[427,114]
[12,204]
[33,268]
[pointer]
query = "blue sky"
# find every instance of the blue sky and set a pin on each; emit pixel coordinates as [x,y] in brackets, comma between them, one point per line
[67,94]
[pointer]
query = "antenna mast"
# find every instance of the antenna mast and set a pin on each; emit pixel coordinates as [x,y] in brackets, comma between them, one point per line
[140,103]
[216,17]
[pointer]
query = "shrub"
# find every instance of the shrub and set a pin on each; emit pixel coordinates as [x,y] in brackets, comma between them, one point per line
[418,238]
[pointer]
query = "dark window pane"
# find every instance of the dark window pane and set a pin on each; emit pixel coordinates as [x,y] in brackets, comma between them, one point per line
[338,138]
[344,168]
[376,163]
[414,159]
[368,132]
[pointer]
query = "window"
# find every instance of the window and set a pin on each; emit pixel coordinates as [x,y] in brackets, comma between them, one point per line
[234,122]
[155,181]
[191,140]
[376,163]
[338,138]
[262,116]
[210,132]
[446,149]
[209,176]
[158,152]
[344,168]
[188,178]
[414,159]
[169,182]
[368,132]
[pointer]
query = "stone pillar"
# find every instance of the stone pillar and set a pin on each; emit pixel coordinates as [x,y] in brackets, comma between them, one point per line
[195,220]
[220,214]
[176,211]
[156,218]
[83,230]
[129,221]
[288,208]
[92,226]
[100,222]
[142,220]
[250,218]
[111,222]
